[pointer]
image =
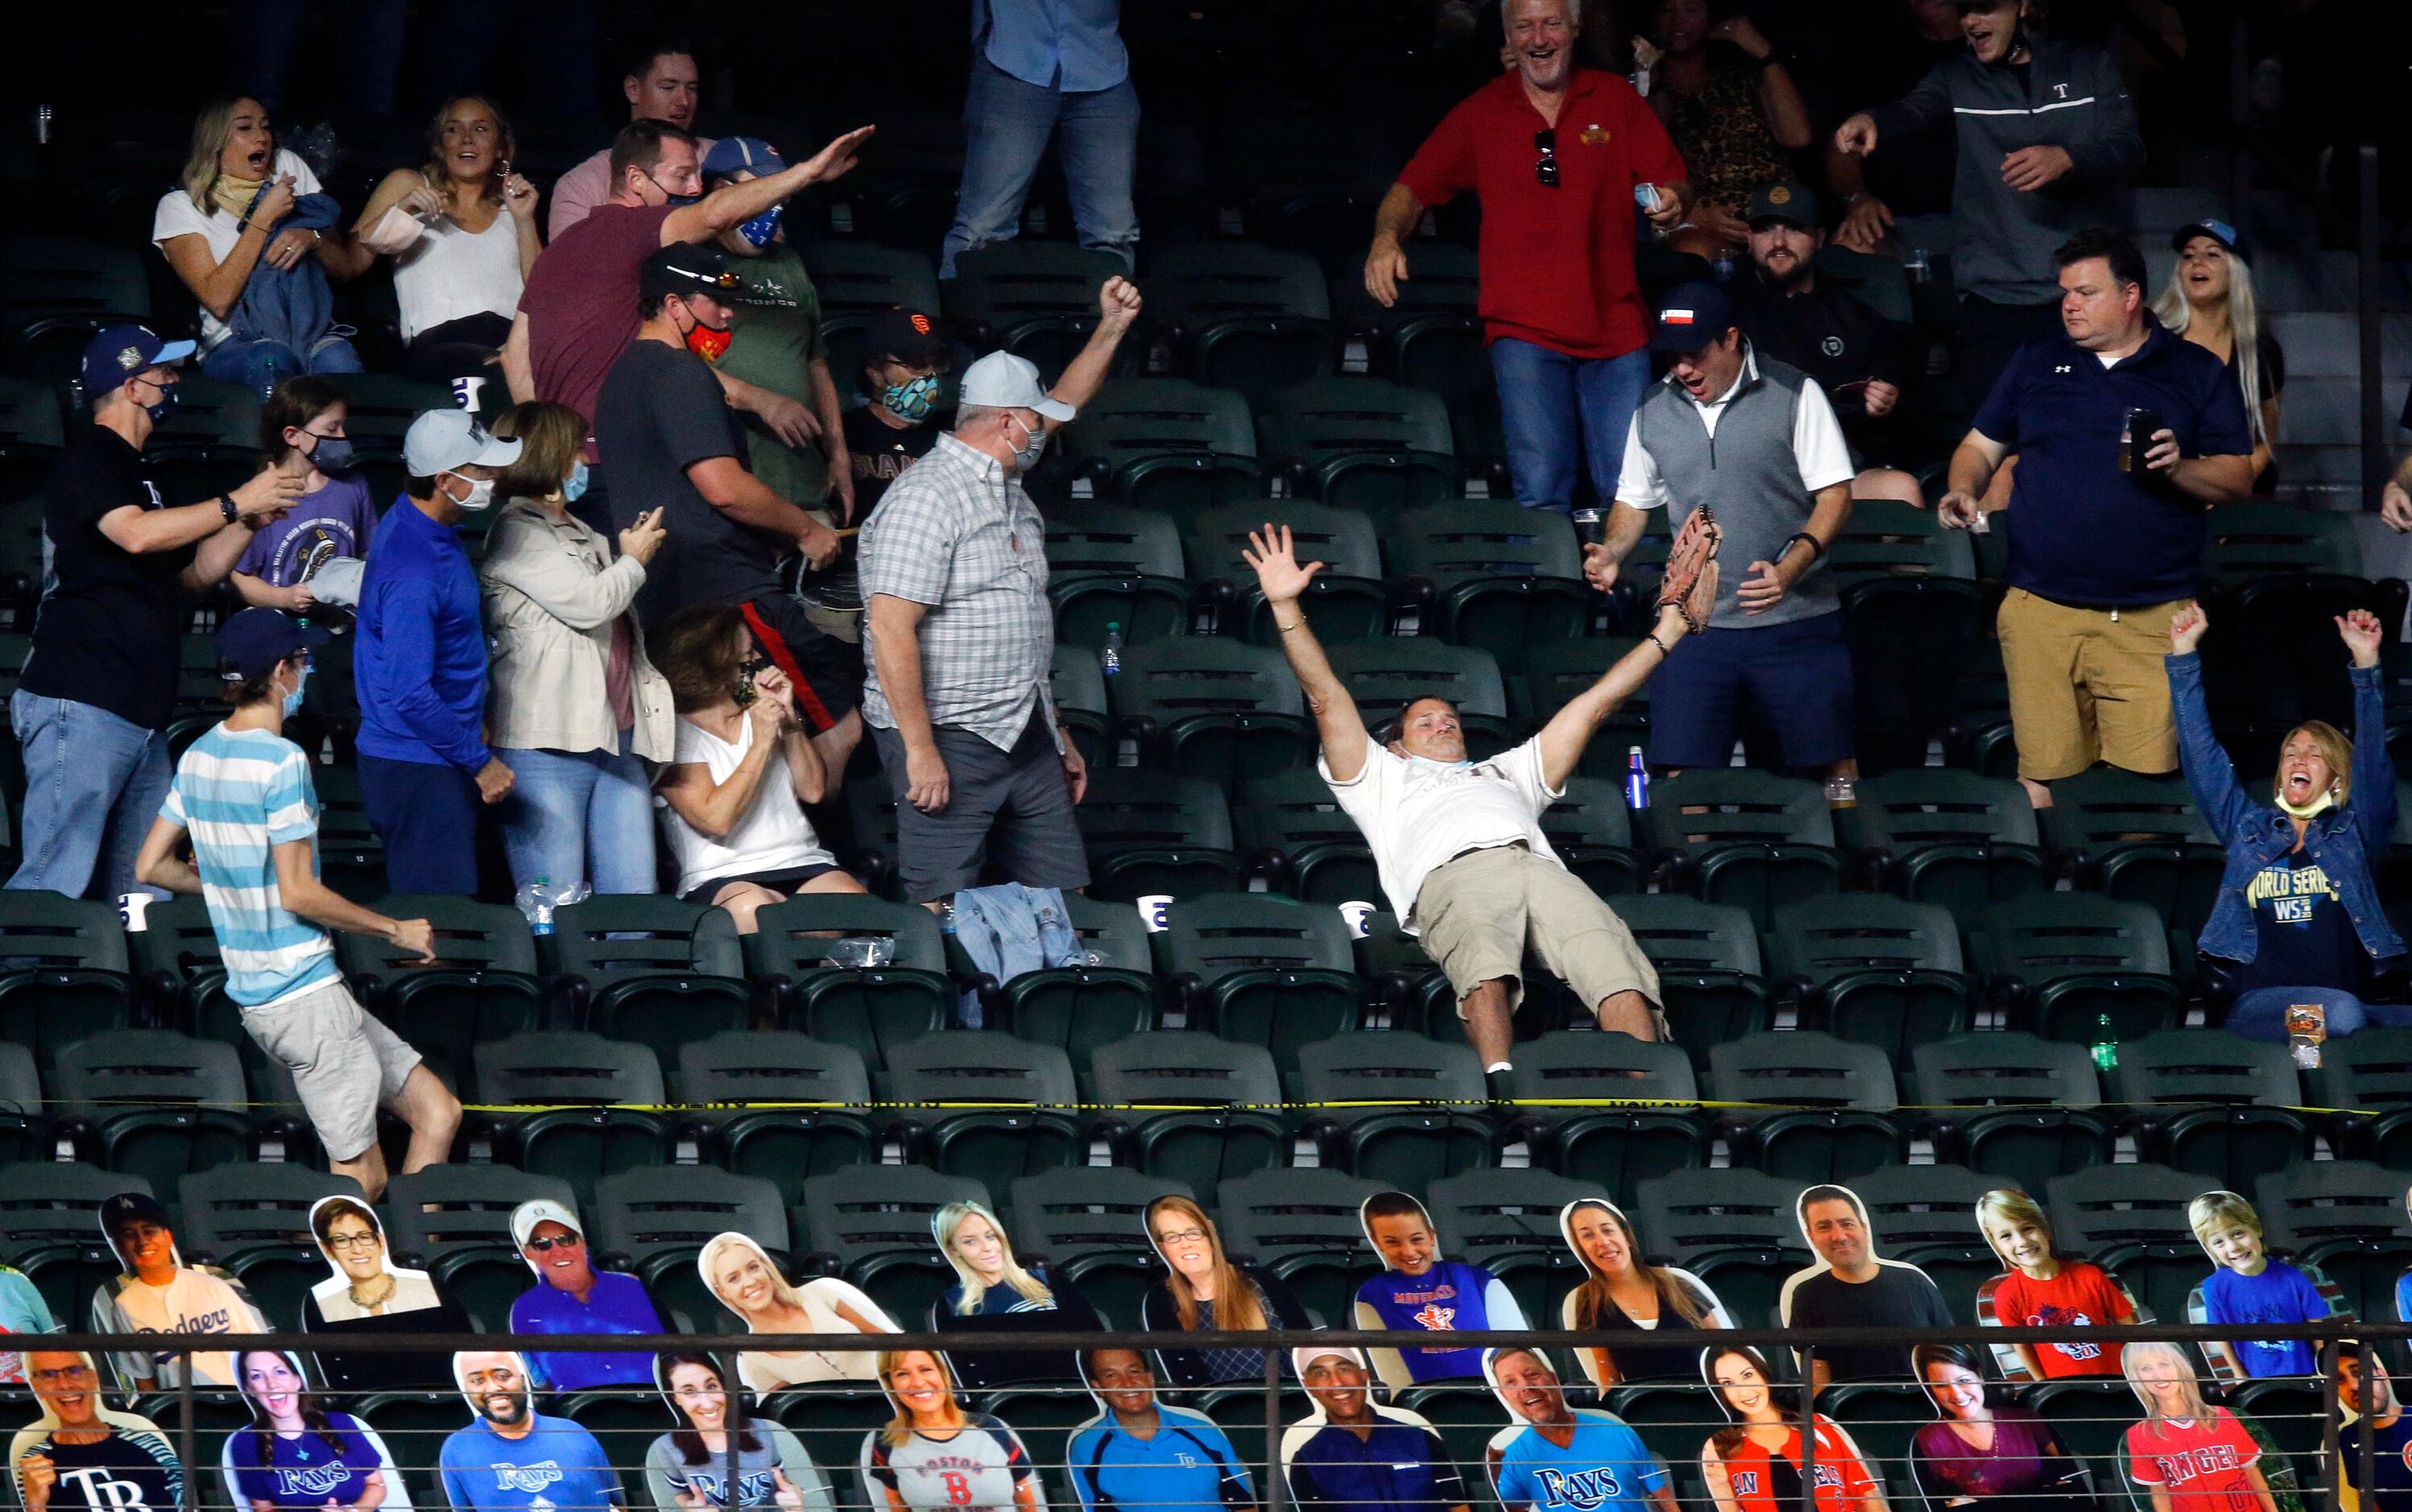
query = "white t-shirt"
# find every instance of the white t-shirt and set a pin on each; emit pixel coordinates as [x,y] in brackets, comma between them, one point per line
[772,835]
[1818,445]
[451,273]
[177,215]
[1418,814]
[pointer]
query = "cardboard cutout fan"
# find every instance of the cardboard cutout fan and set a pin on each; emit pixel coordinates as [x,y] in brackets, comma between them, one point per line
[748,1282]
[1594,1229]
[328,1456]
[1443,1296]
[684,1469]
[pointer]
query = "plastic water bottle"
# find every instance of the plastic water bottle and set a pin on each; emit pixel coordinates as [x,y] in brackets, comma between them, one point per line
[1110,661]
[2106,1044]
[1722,268]
[1637,780]
[536,901]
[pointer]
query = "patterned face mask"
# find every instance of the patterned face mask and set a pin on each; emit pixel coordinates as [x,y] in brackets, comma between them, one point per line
[758,232]
[912,398]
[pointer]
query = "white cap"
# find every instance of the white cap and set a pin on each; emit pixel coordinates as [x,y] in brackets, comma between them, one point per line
[538,1210]
[1001,380]
[443,439]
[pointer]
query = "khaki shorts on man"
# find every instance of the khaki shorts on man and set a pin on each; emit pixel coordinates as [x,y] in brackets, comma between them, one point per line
[345,1065]
[1477,912]
[2087,686]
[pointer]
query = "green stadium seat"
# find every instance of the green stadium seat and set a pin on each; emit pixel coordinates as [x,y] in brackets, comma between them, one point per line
[1167,445]
[2370,1071]
[482,984]
[1148,834]
[1592,830]
[1872,969]
[1740,836]
[1364,444]
[2213,1103]
[1385,675]
[1077,686]
[64,972]
[2020,1108]
[1507,1221]
[654,970]
[1260,970]
[785,1145]
[1116,568]
[153,1103]
[1241,315]
[1302,1226]
[2066,964]
[2138,840]
[1212,708]
[254,1221]
[1344,602]
[1841,1123]
[571,1081]
[1440,1127]
[1293,833]
[2131,1219]
[1556,672]
[1084,1221]
[1707,956]
[1189,1107]
[874,1223]
[1015,1098]
[872,1009]
[1491,574]
[1079,1010]
[1614,1149]
[654,1221]
[1941,835]
[1035,299]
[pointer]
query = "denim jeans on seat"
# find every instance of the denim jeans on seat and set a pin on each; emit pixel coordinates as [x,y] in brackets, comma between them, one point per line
[258,366]
[92,779]
[1555,409]
[2261,1013]
[582,817]
[1005,127]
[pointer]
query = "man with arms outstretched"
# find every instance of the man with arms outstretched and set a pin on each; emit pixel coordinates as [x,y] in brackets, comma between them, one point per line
[1459,844]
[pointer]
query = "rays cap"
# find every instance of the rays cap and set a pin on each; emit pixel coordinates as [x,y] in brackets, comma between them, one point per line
[1691,316]
[1784,200]
[254,642]
[540,1211]
[1001,380]
[909,336]
[117,353]
[743,154]
[443,439]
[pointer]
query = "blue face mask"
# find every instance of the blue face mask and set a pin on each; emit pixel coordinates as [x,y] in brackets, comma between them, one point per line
[758,232]
[910,400]
[167,404]
[293,699]
[573,488]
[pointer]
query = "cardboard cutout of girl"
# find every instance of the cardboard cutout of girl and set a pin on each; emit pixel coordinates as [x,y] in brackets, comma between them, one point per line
[2040,1288]
[995,1294]
[686,1469]
[1754,1463]
[366,1293]
[936,1456]
[298,1456]
[749,1283]
[1622,1292]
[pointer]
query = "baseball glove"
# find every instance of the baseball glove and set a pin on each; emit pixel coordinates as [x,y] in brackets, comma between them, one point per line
[1689,582]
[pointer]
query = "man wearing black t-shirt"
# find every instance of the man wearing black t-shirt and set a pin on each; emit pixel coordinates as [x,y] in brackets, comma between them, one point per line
[1853,1289]
[903,362]
[666,424]
[91,713]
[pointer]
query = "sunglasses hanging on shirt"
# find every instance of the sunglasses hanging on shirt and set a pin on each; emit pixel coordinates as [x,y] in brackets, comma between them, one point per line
[1545,141]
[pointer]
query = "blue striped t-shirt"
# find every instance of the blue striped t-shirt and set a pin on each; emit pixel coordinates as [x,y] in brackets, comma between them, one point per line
[240,794]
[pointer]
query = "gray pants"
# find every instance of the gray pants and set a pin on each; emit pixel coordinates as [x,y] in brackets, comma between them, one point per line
[1013,808]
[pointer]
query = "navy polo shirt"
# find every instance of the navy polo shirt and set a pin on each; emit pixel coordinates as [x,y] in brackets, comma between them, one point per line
[2083,531]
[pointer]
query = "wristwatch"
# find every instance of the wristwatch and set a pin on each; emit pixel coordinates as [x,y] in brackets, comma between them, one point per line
[227,507]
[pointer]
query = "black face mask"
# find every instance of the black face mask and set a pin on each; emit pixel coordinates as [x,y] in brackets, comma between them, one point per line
[675,200]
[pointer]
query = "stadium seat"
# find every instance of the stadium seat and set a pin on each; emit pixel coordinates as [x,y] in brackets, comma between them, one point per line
[2074,967]
[1077,686]
[1507,1221]
[1734,835]
[830,1420]
[1441,1130]
[785,1145]
[482,984]
[254,1221]
[1206,1107]
[1302,1226]
[1260,970]
[1344,602]
[1556,671]
[1363,444]
[2131,1219]
[856,277]
[378,407]
[872,1009]
[1911,606]
[1089,1224]
[1872,969]
[43,1202]
[1881,1416]
[463,1209]
[1167,445]
[64,972]
[1147,833]
[60,290]
[1842,1126]
[572,1080]
[1491,574]
[1045,1418]
[1295,835]
[1926,1215]
[1385,675]
[1212,708]
[1112,568]
[1708,962]
[1432,339]
[624,1423]
[2371,1070]
[1592,830]
[651,970]
[153,1103]
[1405,987]
[1036,300]
[2250,1127]
[2138,840]
[655,1220]
[2090,1417]
[2345,1216]
[217,1415]
[351,854]
[1016,1098]
[1733,1227]
[180,978]
[874,1223]
[1614,1149]
[1941,835]
[2020,1108]
[1079,1009]
[1980,738]
[24,1121]
[1242,317]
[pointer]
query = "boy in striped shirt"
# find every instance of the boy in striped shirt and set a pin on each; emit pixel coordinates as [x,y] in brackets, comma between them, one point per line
[243,793]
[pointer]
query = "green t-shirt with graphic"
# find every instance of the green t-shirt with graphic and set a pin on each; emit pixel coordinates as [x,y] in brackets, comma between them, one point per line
[778,337]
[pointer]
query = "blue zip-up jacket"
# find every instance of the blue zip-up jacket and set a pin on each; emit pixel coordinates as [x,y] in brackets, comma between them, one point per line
[421,660]
[2342,840]
[296,307]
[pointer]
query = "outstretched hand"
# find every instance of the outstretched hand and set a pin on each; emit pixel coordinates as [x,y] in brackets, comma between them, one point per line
[1275,560]
[2361,632]
[1688,586]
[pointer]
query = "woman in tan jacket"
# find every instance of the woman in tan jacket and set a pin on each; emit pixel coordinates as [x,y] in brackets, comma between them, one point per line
[573,708]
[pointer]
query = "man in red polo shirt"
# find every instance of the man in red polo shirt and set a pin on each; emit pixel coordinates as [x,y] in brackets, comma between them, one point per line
[1555,152]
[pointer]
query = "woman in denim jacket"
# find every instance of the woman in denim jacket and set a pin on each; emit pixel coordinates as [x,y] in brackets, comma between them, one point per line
[2298,919]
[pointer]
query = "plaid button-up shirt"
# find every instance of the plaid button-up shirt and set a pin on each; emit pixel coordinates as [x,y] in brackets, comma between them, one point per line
[956,534]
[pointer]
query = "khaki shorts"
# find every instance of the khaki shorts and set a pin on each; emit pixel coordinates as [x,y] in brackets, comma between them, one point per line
[345,1065]
[1478,911]
[2088,685]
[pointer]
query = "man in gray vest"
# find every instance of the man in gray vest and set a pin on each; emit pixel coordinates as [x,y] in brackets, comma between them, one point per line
[1757,442]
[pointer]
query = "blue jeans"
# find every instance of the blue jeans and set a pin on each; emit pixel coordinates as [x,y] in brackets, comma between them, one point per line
[92,781]
[586,816]
[2261,1013]
[1555,408]
[259,364]
[1005,127]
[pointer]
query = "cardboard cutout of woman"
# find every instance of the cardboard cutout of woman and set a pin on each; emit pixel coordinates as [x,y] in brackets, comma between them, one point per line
[995,1294]
[749,1283]
[1204,1289]
[1622,1292]
[298,1455]
[686,1469]
[1976,1450]
[366,1293]
[1555,1458]
[938,1455]
[1754,1463]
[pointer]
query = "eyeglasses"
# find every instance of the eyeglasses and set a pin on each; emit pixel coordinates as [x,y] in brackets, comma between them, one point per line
[351,1242]
[1545,141]
[570,1242]
[64,1372]
[1181,1236]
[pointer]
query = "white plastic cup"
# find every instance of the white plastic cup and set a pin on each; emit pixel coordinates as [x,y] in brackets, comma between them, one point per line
[130,908]
[1151,910]
[1359,916]
[466,393]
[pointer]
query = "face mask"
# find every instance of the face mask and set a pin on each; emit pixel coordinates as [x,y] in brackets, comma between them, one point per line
[1026,457]
[709,342]
[165,405]
[481,494]
[293,699]
[674,199]
[2303,811]
[573,488]
[758,232]
[333,454]
[910,400]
